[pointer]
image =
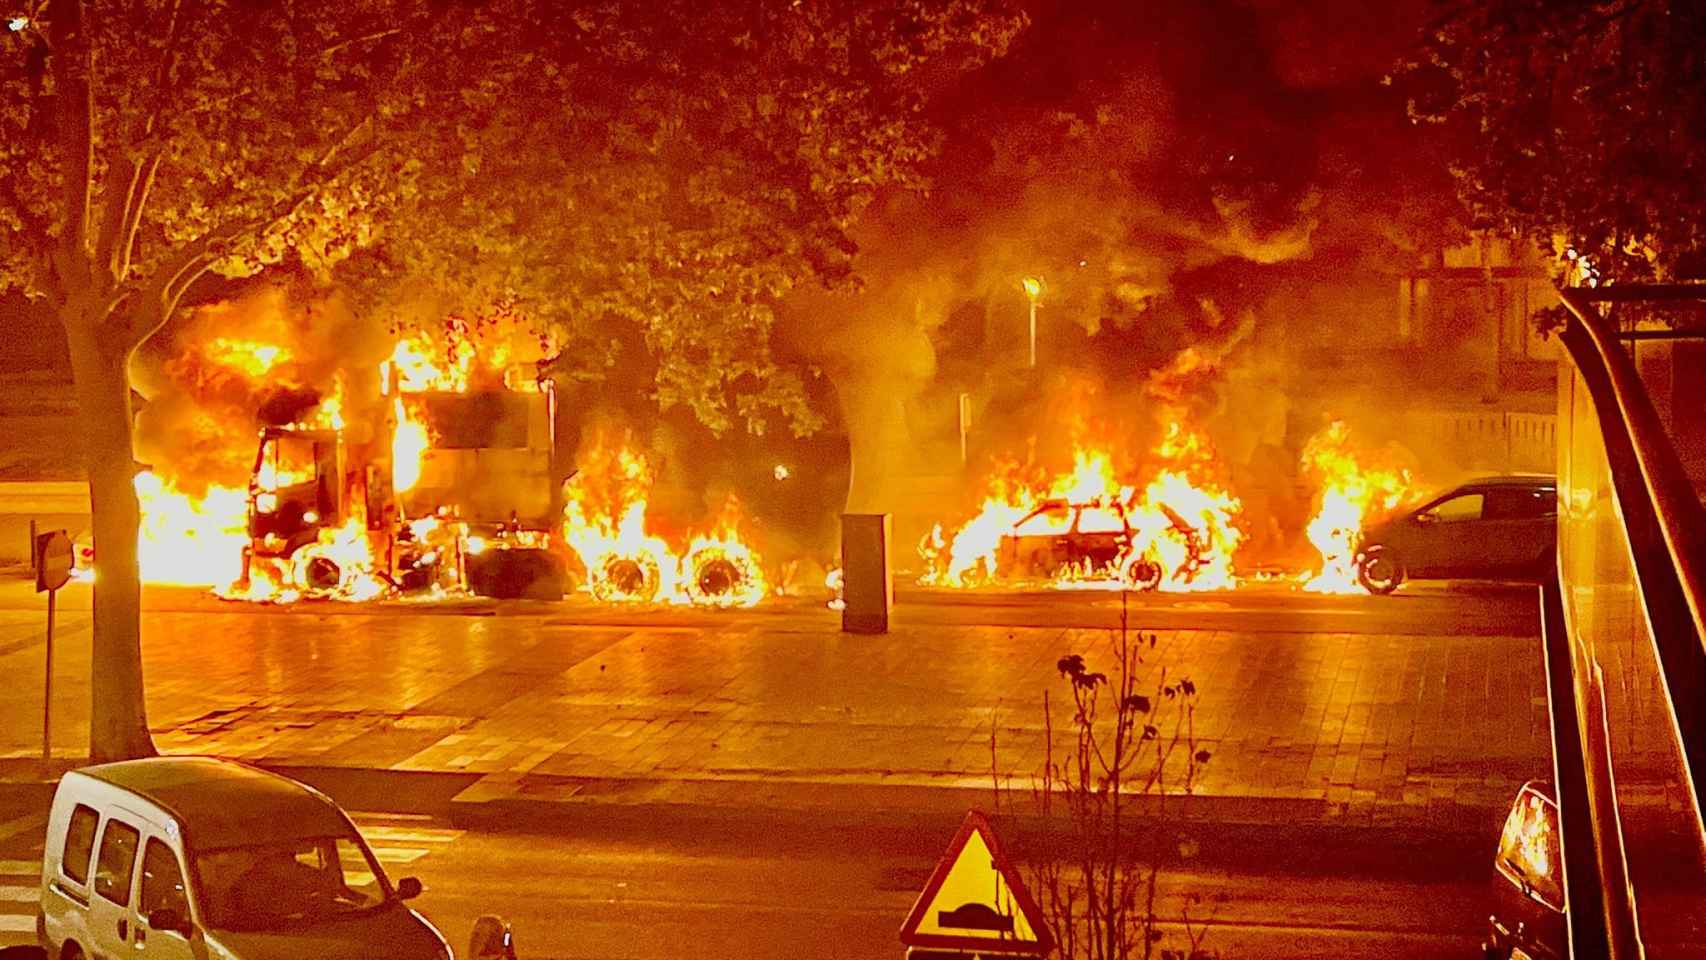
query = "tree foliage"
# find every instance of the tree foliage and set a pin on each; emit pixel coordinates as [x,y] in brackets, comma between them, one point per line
[661,174]
[1579,124]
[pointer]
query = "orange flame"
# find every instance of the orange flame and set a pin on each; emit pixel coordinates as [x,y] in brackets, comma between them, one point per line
[1349,491]
[1183,531]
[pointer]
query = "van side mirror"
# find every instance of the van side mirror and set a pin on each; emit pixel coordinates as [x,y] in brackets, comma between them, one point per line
[165,918]
[408,888]
[1426,518]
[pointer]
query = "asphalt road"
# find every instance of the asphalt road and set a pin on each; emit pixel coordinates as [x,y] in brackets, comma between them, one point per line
[600,899]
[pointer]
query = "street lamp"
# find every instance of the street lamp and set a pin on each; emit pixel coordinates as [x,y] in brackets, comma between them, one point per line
[1033,289]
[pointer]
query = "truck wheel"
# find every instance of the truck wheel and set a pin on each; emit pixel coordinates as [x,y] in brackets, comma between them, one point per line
[1380,571]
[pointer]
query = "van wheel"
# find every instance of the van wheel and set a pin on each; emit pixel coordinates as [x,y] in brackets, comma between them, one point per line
[1380,571]
[71,951]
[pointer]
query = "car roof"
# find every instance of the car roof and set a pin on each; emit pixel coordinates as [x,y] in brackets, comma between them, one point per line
[222,803]
[1513,480]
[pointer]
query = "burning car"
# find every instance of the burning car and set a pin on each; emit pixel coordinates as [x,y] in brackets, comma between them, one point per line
[1099,540]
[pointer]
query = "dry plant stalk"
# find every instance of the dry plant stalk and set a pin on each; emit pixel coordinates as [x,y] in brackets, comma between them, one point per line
[1107,806]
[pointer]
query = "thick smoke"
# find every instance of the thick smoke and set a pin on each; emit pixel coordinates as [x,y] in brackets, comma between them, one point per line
[270,354]
[1209,204]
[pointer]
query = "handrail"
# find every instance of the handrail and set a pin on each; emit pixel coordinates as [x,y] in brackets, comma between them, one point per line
[1662,515]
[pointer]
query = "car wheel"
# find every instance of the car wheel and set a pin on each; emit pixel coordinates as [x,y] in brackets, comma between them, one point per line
[1141,573]
[1379,570]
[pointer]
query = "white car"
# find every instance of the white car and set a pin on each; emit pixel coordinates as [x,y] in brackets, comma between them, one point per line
[171,858]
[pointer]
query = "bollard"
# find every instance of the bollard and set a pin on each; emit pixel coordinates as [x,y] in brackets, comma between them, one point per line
[867,580]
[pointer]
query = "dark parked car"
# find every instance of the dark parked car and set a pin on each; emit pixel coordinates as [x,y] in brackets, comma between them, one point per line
[1495,528]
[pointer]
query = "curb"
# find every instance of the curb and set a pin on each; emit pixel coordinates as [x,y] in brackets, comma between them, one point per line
[1292,835]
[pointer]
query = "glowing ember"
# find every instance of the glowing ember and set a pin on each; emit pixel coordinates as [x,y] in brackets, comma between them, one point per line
[719,570]
[1349,493]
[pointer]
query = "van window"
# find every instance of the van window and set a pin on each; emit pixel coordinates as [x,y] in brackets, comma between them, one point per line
[79,843]
[162,881]
[118,858]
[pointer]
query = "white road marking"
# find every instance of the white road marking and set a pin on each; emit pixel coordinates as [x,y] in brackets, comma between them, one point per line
[21,868]
[17,923]
[397,843]
[19,894]
[389,855]
[392,835]
[35,823]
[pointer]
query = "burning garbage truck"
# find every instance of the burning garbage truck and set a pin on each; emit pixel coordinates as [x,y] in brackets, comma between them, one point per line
[450,490]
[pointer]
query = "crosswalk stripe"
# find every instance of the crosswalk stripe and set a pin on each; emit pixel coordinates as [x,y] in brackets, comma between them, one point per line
[21,868]
[17,923]
[409,835]
[36,823]
[9,894]
[399,854]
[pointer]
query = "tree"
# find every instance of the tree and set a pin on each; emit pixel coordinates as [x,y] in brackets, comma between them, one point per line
[704,160]
[1578,124]
[671,167]
[149,144]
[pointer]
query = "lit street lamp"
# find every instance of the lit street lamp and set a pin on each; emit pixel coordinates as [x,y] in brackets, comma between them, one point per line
[1033,289]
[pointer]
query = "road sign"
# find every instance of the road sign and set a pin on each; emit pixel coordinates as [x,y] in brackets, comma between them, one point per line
[53,561]
[975,902]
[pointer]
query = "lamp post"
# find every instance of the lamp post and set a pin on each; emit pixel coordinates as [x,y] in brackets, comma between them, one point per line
[1033,289]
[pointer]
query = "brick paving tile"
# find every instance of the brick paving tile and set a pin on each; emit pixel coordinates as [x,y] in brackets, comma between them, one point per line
[1365,722]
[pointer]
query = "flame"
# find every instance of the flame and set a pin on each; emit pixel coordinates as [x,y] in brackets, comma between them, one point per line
[419,367]
[834,582]
[338,565]
[1183,531]
[249,356]
[719,569]
[408,442]
[1349,492]
[191,541]
[604,521]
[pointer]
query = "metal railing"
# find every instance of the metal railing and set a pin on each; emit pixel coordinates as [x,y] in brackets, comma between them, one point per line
[1664,527]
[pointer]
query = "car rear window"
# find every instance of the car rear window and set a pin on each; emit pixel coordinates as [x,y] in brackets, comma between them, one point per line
[79,843]
[117,861]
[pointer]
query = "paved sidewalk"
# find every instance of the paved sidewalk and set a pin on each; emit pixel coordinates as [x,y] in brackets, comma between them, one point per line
[1424,733]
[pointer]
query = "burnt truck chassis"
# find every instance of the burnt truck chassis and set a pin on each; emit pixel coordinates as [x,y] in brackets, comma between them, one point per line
[286,522]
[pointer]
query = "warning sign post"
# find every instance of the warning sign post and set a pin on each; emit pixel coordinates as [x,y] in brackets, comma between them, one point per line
[974,904]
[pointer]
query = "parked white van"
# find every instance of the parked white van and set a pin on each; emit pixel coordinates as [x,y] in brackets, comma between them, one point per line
[171,858]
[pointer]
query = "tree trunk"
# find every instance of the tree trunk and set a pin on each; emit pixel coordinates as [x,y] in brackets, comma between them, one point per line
[118,722]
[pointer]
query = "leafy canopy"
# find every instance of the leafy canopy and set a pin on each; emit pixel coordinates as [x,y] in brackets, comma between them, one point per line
[1579,124]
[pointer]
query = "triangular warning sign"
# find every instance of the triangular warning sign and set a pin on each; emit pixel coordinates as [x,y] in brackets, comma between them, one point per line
[974,900]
